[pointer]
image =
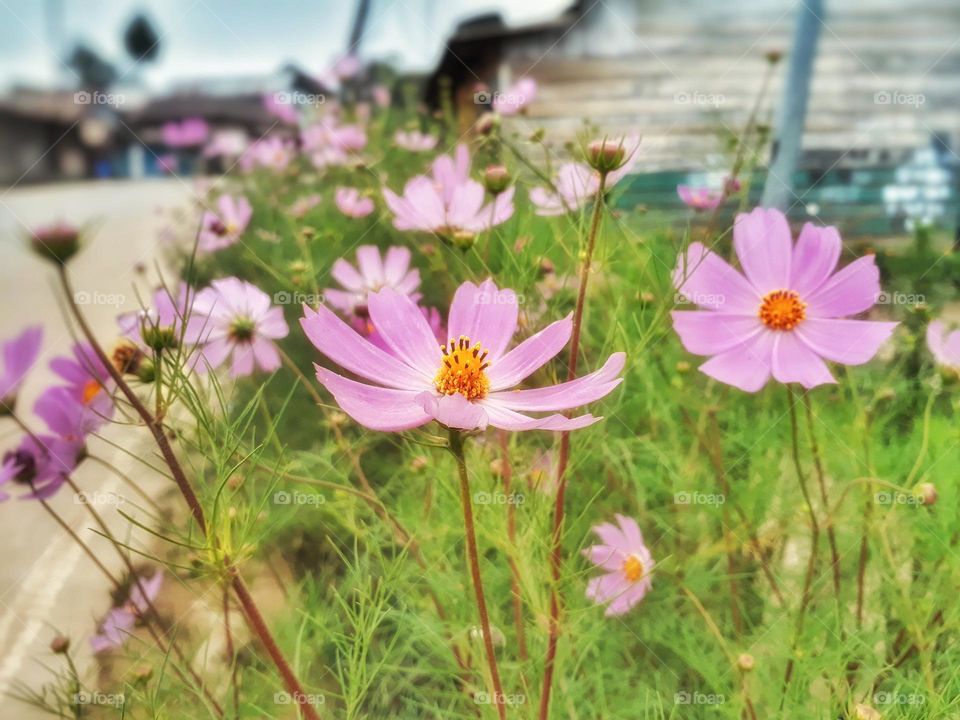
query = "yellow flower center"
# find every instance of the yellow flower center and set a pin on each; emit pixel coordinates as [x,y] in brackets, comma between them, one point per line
[633,568]
[91,388]
[462,370]
[782,310]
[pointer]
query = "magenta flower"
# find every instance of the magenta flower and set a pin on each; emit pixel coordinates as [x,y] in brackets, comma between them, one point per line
[626,563]
[700,198]
[191,132]
[375,272]
[351,203]
[465,383]
[414,141]
[89,384]
[516,97]
[448,202]
[787,315]
[119,622]
[576,183]
[944,346]
[42,463]
[224,227]
[235,318]
[19,355]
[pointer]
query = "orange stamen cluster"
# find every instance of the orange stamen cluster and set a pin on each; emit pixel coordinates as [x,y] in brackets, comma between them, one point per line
[633,568]
[91,388]
[462,370]
[782,310]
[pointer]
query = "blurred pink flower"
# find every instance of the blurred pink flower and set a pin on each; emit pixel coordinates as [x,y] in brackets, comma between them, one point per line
[465,384]
[516,97]
[351,203]
[375,272]
[189,132]
[414,141]
[119,622]
[89,384]
[279,105]
[18,354]
[626,563]
[449,201]
[700,198]
[235,318]
[224,227]
[381,95]
[347,66]
[167,163]
[227,144]
[304,205]
[41,463]
[272,152]
[944,346]
[787,315]
[576,183]
[328,143]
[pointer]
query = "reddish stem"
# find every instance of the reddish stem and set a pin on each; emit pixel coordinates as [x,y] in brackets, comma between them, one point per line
[507,472]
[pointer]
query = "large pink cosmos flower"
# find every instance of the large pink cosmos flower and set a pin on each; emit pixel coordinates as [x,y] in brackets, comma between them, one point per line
[627,564]
[89,384]
[223,228]
[235,318]
[375,272]
[351,203]
[18,354]
[449,201]
[464,384]
[944,345]
[414,141]
[576,183]
[787,315]
[700,198]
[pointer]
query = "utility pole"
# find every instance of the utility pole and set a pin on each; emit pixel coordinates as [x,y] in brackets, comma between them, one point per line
[359,25]
[792,113]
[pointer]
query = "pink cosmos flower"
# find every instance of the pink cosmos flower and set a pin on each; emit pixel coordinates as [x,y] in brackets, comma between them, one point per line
[223,228]
[273,153]
[227,144]
[167,163]
[235,318]
[119,622]
[19,355]
[351,203]
[414,141]
[626,563]
[945,346]
[700,198]
[281,108]
[464,384]
[381,95]
[787,315]
[329,143]
[449,202]
[577,183]
[304,205]
[516,97]
[89,384]
[190,132]
[42,463]
[375,272]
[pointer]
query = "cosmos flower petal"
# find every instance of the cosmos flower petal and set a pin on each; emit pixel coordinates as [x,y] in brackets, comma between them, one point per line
[19,355]
[631,530]
[711,282]
[793,362]
[266,355]
[746,366]
[815,257]
[852,290]
[605,557]
[213,355]
[454,411]
[944,345]
[604,588]
[243,358]
[347,275]
[628,598]
[613,536]
[764,247]
[582,390]
[396,264]
[371,265]
[402,326]
[852,342]
[530,355]
[339,342]
[496,322]
[376,408]
[711,333]
[506,419]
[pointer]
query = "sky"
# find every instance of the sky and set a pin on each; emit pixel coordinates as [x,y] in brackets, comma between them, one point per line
[211,38]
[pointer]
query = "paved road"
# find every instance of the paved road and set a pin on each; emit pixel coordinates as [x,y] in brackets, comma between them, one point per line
[45,580]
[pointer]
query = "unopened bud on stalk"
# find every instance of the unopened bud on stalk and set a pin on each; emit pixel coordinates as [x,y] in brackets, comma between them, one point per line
[60,645]
[606,155]
[487,124]
[746,662]
[159,338]
[927,492]
[147,371]
[57,243]
[497,466]
[496,179]
[463,240]
[865,712]
[419,463]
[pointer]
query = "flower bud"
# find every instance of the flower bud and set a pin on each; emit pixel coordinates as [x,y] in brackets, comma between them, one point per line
[60,645]
[773,56]
[497,467]
[487,123]
[496,179]
[746,662]
[419,463]
[927,492]
[865,712]
[463,240]
[147,371]
[57,243]
[159,338]
[606,155]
